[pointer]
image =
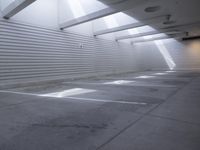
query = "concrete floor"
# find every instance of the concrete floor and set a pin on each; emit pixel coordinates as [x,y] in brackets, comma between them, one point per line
[135,111]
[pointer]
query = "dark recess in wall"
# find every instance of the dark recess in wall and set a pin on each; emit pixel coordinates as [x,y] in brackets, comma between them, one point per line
[191,38]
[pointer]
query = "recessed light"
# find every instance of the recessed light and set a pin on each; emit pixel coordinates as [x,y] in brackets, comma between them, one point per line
[152,9]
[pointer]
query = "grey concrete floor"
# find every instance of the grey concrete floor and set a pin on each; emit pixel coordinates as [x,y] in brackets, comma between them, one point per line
[155,110]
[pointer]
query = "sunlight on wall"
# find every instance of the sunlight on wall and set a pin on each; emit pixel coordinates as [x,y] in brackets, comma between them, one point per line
[163,50]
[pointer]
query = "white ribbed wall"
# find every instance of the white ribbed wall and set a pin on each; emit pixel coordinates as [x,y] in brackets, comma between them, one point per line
[29,53]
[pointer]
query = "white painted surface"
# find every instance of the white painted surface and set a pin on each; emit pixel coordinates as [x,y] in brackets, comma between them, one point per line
[30,54]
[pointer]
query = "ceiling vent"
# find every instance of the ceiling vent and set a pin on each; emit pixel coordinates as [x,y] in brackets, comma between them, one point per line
[152,9]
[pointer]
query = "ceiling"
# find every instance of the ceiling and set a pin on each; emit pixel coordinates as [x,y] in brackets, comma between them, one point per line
[184,14]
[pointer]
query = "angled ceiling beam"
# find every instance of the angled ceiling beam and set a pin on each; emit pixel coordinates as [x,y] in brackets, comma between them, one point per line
[184,26]
[133,25]
[179,35]
[136,35]
[168,30]
[15,7]
[112,8]
[120,28]
[152,39]
[146,34]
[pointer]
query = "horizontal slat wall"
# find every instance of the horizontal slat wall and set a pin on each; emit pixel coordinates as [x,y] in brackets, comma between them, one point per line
[29,53]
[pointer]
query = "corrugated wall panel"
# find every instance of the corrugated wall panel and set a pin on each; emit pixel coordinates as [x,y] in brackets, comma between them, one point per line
[29,53]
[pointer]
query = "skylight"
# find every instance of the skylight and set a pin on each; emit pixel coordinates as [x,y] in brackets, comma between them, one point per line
[142,29]
[110,21]
[5,3]
[81,8]
[76,8]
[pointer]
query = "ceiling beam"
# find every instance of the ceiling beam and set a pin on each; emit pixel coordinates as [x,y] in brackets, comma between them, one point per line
[113,8]
[153,39]
[120,28]
[168,30]
[145,34]
[184,26]
[136,35]
[15,7]
[179,35]
[133,25]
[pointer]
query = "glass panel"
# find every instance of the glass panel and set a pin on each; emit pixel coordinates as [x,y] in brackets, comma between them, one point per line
[81,8]
[5,3]
[142,29]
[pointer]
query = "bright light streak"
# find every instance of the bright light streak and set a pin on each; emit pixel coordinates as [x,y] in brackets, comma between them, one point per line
[145,77]
[148,37]
[119,82]
[160,73]
[70,92]
[170,71]
[163,50]
[76,8]
[110,21]
[133,31]
[139,30]
[118,19]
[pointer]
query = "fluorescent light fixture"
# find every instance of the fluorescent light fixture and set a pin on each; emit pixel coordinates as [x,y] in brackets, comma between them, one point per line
[166,55]
[144,77]
[119,82]
[70,92]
